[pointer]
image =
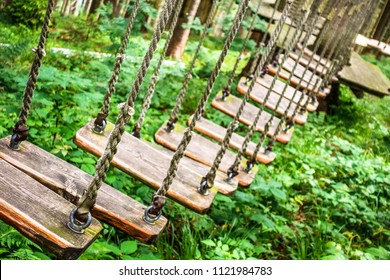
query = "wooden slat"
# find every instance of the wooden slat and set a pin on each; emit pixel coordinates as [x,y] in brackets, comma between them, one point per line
[201,169]
[313,66]
[112,206]
[203,150]
[40,214]
[259,93]
[289,65]
[218,132]
[149,166]
[231,105]
[363,75]
[278,87]
[294,81]
[316,57]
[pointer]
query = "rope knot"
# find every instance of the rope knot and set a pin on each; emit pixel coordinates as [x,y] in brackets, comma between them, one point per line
[40,51]
[127,109]
[154,211]
[20,133]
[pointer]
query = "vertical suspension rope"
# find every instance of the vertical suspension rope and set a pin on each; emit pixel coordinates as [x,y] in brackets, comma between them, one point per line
[153,83]
[101,118]
[208,180]
[227,89]
[179,100]
[264,133]
[258,53]
[253,160]
[233,169]
[20,130]
[171,173]
[81,213]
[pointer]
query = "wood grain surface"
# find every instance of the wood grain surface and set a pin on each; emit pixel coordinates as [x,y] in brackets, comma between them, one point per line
[231,105]
[40,214]
[112,206]
[149,166]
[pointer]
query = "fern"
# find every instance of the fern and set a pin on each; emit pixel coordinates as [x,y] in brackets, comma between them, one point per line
[9,53]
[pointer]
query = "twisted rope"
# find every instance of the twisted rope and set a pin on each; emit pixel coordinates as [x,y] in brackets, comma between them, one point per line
[179,100]
[227,89]
[100,121]
[340,53]
[171,174]
[20,130]
[253,160]
[153,83]
[88,199]
[210,177]
[257,55]
[233,169]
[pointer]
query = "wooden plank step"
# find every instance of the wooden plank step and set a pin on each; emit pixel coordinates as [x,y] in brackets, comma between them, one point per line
[278,87]
[313,66]
[231,105]
[41,215]
[364,76]
[289,65]
[112,206]
[325,62]
[149,166]
[203,150]
[259,93]
[218,132]
[202,169]
[295,81]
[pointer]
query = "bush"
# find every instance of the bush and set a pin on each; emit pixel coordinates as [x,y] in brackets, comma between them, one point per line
[27,12]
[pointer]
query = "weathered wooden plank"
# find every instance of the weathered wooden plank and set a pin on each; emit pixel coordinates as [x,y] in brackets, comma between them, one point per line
[316,57]
[278,88]
[289,34]
[201,169]
[231,105]
[309,76]
[203,150]
[363,75]
[295,81]
[259,93]
[318,68]
[149,166]
[112,206]
[40,214]
[218,132]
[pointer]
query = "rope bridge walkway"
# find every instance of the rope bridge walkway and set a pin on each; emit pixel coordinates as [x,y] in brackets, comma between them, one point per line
[59,206]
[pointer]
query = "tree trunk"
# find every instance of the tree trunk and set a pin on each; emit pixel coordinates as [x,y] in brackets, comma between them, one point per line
[65,9]
[94,6]
[87,7]
[204,10]
[383,23]
[124,7]
[116,8]
[158,5]
[180,35]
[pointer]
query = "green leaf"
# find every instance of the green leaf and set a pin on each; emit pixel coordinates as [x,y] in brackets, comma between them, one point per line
[209,242]
[278,193]
[129,247]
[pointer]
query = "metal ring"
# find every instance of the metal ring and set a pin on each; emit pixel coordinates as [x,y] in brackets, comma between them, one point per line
[77,226]
[203,189]
[99,129]
[150,219]
[14,144]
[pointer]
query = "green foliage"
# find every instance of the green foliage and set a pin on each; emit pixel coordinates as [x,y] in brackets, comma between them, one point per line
[27,12]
